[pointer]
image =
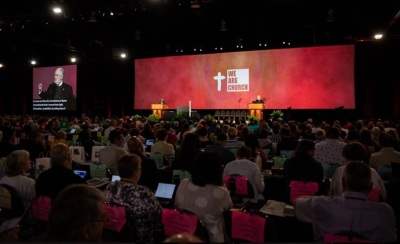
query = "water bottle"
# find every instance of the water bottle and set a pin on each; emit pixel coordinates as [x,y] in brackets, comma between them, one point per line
[258,161]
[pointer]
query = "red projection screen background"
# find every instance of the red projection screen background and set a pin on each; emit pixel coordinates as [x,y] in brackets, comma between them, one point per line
[301,78]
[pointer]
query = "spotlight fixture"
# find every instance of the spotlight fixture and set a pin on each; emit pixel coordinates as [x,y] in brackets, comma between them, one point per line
[1,65]
[73,59]
[378,36]
[33,62]
[123,55]
[57,10]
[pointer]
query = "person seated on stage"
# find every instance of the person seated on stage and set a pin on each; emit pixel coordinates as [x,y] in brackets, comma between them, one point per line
[349,212]
[258,100]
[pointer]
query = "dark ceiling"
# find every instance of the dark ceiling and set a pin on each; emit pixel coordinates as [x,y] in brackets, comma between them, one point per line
[146,28]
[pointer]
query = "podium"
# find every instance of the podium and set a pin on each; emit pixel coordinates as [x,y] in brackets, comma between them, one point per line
[256,109]
[159,109]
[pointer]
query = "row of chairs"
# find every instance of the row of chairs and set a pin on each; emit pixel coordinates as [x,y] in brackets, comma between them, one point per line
[230,114]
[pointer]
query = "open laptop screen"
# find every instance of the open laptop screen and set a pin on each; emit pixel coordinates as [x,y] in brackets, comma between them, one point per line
[165,191]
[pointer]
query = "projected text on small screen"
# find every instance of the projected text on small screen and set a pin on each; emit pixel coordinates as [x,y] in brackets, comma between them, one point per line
[301,78]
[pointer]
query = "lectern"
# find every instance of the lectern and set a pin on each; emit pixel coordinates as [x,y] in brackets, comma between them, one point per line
[256,109]
[159,109]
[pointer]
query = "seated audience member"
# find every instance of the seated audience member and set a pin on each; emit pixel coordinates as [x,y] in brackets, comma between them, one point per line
[286,142]
[35,145]
[263,139]
[172,137]
[17,164]
[203,136]
[251,141]
[110,154]
[243,166]
[355,151]
[387,154]
[232,142]
[142,208]
[161,145]
[77,215]
[206,195]
[329,151]
[185,155]
[86,140]
[350,212]
[7,143]
[61,137]
[60,175]
[150,176]
[183,237]
[303,167]
[219,147]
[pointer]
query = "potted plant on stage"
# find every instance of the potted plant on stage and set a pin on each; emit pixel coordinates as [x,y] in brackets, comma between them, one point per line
[153,118]
[276,115]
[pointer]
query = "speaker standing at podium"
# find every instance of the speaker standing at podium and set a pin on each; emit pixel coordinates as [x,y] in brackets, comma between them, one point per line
[258,100]
[162,101]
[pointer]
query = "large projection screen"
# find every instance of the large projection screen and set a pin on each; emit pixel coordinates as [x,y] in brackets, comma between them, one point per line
[300,78]
[58,91]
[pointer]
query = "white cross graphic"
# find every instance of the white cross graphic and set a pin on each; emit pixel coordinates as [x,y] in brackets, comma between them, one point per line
[219,78]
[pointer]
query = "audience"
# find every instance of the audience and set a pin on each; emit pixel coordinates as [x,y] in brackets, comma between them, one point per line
[219,147]
[387,154]
[206,195]
[350,212]
[303,167]
[77,215]
[17,164]
[150,176]
[60,175]
[110,154]
[243,166]
[329,151]
[187,152]
[161,145]
[142,208]
[355,151]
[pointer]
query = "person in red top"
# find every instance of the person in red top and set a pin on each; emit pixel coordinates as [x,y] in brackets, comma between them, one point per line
[172,138]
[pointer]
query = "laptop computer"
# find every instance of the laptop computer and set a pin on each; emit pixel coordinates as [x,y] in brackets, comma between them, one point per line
[72,131]
[80,173]
[165,193]
[149,142]
[115,178]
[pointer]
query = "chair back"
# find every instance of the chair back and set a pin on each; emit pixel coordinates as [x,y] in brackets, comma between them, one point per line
[158,157]
[329,169]
[179,175]
[347,237]
[302,188]
[11,205]
[385,171]
[239,186]
[245,226]
[183,221]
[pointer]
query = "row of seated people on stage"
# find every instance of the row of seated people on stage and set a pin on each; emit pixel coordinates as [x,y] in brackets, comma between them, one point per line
[311,151]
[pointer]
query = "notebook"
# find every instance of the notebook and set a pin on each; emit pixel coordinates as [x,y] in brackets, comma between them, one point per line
[165,193]
[115,178]
[80,173]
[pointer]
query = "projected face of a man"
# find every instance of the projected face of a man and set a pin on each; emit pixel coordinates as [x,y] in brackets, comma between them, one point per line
[58,75]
